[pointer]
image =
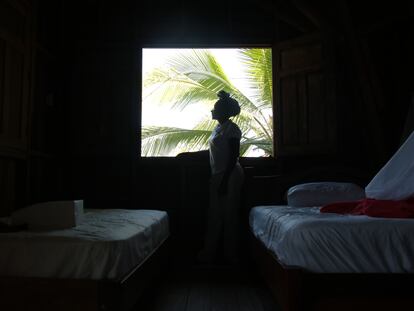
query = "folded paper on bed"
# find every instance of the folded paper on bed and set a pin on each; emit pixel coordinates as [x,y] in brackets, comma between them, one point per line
[50,215]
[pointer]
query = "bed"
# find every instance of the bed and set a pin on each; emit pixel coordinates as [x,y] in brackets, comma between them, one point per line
[317,242]
[104,263]
[315,261]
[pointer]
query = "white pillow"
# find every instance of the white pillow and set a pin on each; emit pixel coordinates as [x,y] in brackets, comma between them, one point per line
[321,193]
[50,215]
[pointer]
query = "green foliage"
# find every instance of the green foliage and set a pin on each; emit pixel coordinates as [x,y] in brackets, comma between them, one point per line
[195,78]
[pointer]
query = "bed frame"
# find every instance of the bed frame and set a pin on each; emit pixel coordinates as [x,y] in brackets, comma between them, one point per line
[296,289]
[19,293]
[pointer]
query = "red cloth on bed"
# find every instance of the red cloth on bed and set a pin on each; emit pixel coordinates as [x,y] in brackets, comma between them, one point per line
[373,208]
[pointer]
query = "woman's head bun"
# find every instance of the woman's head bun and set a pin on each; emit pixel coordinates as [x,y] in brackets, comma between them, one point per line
[223,94]
[230,105]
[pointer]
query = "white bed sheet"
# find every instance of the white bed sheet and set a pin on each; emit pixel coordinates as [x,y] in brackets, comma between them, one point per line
[106,245]
[334,243]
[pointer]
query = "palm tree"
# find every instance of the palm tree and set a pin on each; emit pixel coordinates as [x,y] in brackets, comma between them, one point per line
[194,77]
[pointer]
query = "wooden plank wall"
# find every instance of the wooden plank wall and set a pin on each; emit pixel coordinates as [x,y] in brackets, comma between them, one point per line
[305,111]
[15,69]
[29,113]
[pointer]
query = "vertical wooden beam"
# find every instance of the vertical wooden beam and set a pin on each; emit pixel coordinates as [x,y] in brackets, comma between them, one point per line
[33,39]
[309,11]
[285,13]
[364,83]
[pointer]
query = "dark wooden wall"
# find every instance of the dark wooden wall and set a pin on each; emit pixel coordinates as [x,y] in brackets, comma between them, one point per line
[73,130]
[29,105]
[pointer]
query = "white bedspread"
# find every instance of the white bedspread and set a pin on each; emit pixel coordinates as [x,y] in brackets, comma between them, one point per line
[333,243]
[106,245]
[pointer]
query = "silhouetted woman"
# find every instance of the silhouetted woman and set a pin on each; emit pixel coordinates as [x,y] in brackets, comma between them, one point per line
[225,184]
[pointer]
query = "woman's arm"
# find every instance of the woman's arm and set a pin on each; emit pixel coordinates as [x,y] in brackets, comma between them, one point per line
[234,153]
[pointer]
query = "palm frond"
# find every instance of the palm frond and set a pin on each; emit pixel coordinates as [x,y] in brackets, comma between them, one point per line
[194,76]
[162,141]
[264,145]
[259,74]
[168,87]
[244,149]
[206,125]
[259,80]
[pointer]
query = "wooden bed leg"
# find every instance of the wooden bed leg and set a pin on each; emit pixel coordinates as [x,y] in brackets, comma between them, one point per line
[285,284]
[292,291]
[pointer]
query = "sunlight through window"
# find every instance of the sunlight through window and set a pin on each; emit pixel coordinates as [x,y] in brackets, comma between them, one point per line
[179,89]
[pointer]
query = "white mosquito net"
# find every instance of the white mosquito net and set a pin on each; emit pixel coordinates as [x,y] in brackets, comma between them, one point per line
[395,181]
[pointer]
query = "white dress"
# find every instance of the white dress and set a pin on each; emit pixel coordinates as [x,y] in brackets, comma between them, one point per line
[223,212]
[219,145]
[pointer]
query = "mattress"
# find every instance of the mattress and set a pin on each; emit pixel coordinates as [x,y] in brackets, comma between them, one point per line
[107,244]
[332,243]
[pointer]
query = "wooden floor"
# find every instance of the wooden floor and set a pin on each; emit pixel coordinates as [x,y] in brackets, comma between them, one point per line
[209,288]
